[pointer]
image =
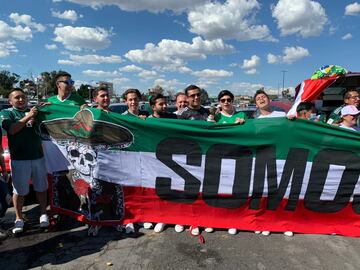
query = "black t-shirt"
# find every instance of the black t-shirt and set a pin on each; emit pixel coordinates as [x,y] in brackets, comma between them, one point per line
[192,114]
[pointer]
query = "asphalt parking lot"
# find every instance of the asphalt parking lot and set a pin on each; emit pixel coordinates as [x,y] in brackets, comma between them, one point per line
[71,248]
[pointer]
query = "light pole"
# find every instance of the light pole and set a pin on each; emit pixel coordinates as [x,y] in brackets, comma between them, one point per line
[283,79]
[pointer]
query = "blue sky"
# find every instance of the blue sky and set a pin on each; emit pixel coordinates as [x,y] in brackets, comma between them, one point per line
[240,45]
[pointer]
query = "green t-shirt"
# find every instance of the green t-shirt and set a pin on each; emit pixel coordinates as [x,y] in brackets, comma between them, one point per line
[224,119]
[24,145]
[335,115]
[73,99]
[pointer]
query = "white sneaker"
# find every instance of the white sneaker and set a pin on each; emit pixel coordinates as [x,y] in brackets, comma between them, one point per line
[288,233]
[147,225]
[159,227]
[44,221]
[194,231]
[129,228]
[257,232]
[179,228]
[232,231]
[18,227]
[266,233]
[209,230]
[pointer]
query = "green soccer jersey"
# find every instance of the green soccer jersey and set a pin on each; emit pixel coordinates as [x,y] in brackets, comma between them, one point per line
[73,99]
[335,115]
[25,144]
[224,119]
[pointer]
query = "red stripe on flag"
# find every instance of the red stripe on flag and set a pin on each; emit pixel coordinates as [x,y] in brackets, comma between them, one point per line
[143,204]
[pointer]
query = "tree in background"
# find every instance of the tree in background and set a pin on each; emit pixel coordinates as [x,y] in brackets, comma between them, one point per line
[171,94]
[156,90]
[46,83]
[7,81]
[84,91]
[204,97]
[29,88]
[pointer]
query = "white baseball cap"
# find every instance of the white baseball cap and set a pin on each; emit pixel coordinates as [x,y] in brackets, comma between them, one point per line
[349,110]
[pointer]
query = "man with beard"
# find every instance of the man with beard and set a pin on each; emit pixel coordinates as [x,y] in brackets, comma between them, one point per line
[159,105]
[194,111]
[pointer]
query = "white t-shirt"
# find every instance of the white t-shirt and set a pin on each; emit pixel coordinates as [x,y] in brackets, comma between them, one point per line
[273,114]
[354,128]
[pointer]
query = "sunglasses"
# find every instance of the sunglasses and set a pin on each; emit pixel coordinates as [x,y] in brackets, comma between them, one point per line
[195,95]
[223,100]
[68,82]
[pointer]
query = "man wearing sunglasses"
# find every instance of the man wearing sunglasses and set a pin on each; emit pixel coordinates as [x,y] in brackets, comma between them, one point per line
[350,97]
[65,96]
[194,111]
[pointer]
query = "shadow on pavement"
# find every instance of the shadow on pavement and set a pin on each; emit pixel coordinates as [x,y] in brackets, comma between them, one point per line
[68,242]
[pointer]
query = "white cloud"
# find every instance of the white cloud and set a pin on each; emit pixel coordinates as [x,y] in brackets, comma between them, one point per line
[26,20]
[131,68]
[273,59]
[70,15]
[352,9]
[174,53]
[251,64]
[332,29]
[50,46]
[212,73]
[101,73]
[251,71]
[173,84]
[184,70]
[291,54]
[79,38]
[303,17]
[10,35]
[138,5]
[147,74]
[7,48]
[90,59]
[234,65]
[233,19]
[347,36]
[245,88]
[5,66]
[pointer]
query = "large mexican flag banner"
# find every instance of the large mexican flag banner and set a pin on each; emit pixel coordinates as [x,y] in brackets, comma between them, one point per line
[268,174]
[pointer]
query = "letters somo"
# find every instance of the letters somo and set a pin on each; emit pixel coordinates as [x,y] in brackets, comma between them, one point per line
[265,165]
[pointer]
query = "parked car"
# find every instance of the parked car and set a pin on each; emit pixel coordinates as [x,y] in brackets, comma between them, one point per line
[118,107]
[6,153]
[332,96]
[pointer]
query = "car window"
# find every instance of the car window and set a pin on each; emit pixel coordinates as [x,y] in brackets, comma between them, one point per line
[118,108]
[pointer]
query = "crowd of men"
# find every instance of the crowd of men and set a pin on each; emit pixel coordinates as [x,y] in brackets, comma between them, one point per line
[26,150]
